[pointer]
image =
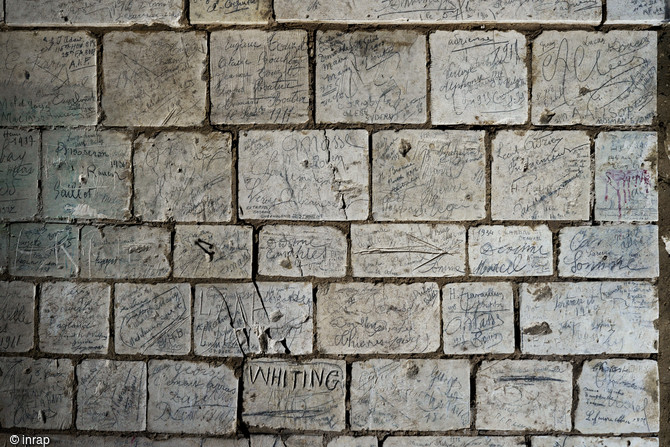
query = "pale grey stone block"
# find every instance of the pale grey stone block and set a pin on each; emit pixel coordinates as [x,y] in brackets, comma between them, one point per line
[43,250]
[19,172]
[582,441]
[237,12]
[453,441]
[17,302]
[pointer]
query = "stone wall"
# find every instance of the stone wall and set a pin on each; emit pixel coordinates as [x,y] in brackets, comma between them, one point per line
[334,223]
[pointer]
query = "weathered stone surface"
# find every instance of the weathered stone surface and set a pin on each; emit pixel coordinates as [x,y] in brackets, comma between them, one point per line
[185,176]
[428,175]
[615,251]
[303,175]
[237,12]
[541,175]
[74,317]
[17,301]
[298,250]
[4,248]
[259,76]
[439,11]
[510,251]
[618,396]
[301,396]
[92,12]
[653,12]
[218,442]
[19,171]
[580,441]
[585,77]
[626,176]
[478,77]
[152,319]
[515,395]
[233,320]
[478,318]
[365,77]
[408,250]
[132,441]
[36,393]
[48,78]
[453,441]
[43,250]
[363,318]
[136,251]
[351,441]
[154,79]
[112,395]
[191,398]
[588,318]
[388,394]
[289,441]
[86,174]
[212,251]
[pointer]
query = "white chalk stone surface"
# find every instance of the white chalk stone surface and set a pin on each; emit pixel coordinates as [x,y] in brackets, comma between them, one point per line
[19,172]
[17,301]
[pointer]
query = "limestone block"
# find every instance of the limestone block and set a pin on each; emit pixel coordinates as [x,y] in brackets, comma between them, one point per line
[428,175]
[288,441]
[303,175]
[17,301]
[581,441]
[516,395]
[308,395]
[364,318]
[234,320]
[74,317]
[4,248]
[152,319]
[588,318]
[259,77]
[618,396]
[478,318]
[351,441]
[478,77]
[43,250]
[371,77]
[19,171]
[388,394]
[185,176]
[408,250]
[613,251]
[652,12]
[541,175]
[237,12]
[453,441]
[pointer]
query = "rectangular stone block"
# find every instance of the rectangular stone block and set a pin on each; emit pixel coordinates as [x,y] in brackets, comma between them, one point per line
[407,250]
[351,441]
[516,395]
[582,77]
[74,317]
[478,318]
[431,395]
[187,397]
[618,396]
[302,396]
[439,11]
[48,78]
[626,176]
[478,77]
[453,441]
[152,319]
[497,250]
[125,252]
[19,172]
[43,250]
[428,175]
[582,441]
[128,441]
[17,304]
[234,320]
[541,175]
[86,174]
[371,77]
[154,79]
[236,12]
[616,251]
[298,251]
[652,12]
[287,441]
[303,175]
[212,251]
[36,394]
[92,13]
[112,395]
[364,318]
[588,318]
[259,77]
[185,176]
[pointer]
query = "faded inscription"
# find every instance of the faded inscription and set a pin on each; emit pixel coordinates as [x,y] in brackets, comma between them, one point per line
[653,12]
[19,171]
[17,301]
[43,250]
[230,11]
[453,441]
